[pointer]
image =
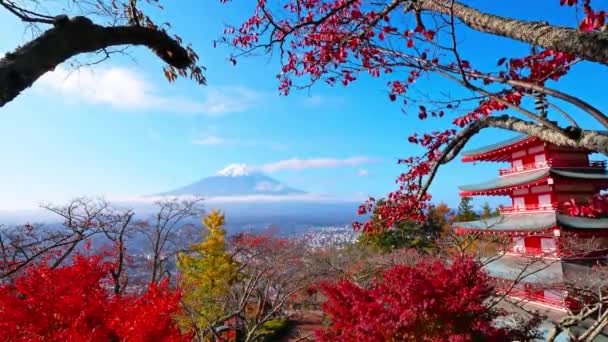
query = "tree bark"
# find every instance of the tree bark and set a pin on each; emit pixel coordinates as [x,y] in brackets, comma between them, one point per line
[71,37]
[592,46]
[587,139]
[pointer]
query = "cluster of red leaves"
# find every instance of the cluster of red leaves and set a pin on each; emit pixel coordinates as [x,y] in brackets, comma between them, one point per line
[597,207]
[335,40]
[594,20]
[537,68]
[431,301]
[324,35]
[72,303]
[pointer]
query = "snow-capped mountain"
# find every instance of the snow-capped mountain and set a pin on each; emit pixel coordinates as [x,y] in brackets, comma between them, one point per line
[235,180]
[235,170]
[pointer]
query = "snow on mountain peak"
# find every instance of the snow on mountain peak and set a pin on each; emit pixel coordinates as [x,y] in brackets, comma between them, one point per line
[235,170]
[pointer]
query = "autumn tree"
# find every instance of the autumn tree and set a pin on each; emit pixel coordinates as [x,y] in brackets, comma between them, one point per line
[429,301]
[162,232]
[207,273]
[399,41]
[81,220]
[102,28]
[72,303]
[465,211]
[272,272]
[439,216]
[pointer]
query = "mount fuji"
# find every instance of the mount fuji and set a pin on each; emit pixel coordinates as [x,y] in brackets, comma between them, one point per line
[235,180]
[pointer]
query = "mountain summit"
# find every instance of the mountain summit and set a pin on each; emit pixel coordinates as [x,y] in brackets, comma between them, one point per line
[235,180]
[235,170]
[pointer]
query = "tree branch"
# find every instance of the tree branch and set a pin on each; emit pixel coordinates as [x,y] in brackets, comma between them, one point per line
[591,140]
[592,46]
[71,37]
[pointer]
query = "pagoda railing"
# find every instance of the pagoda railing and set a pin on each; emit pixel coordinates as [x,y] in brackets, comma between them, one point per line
[593,164]
[533,297]
[528,208]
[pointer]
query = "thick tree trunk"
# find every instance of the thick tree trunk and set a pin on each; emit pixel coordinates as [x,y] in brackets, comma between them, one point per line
[590,46]
[21,68]
[587,139]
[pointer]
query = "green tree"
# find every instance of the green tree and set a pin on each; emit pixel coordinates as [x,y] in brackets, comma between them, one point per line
[496,212]
[465,210]
[486,211]
[207,274]
[404,234]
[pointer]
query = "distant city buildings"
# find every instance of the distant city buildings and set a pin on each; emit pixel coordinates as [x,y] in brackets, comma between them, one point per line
[328,236]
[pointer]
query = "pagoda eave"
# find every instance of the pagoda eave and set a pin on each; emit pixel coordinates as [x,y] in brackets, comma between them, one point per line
[504,191]
[500,152]
[514,232]
[534,223]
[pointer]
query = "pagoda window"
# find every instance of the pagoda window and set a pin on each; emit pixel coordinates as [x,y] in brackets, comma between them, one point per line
[518,164]
[540,160]
[547,244]
[544,201]
[518,245]
[519,202]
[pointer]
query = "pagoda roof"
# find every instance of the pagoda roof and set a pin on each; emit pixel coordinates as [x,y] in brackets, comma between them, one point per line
[514,223]
[506,182]
[526,270]
[542,271]
[528,222]
[509,182]
[493,152]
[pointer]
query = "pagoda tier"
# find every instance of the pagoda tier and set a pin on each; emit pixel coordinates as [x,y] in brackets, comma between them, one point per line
[500,151]
[544,182]
[521,146]
[539,280]
[550,179]
[525,224]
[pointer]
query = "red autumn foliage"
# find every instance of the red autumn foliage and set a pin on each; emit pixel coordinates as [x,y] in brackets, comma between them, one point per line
[73,303]
[339,41]
[597,207]
[426,302]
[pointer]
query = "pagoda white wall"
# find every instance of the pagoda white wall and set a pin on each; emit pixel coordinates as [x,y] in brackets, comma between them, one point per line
[518,245]
[548,245]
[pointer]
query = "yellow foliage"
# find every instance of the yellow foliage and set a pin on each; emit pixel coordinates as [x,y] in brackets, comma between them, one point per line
[207,272]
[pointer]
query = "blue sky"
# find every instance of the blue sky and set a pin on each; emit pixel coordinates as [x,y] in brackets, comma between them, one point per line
[121,130]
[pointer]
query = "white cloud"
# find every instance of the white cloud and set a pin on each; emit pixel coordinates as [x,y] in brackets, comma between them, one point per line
[318,163]
[126,89]
[363,173]
[214,140]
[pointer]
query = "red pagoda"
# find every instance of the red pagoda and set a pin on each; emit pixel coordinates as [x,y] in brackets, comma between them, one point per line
[555,197]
